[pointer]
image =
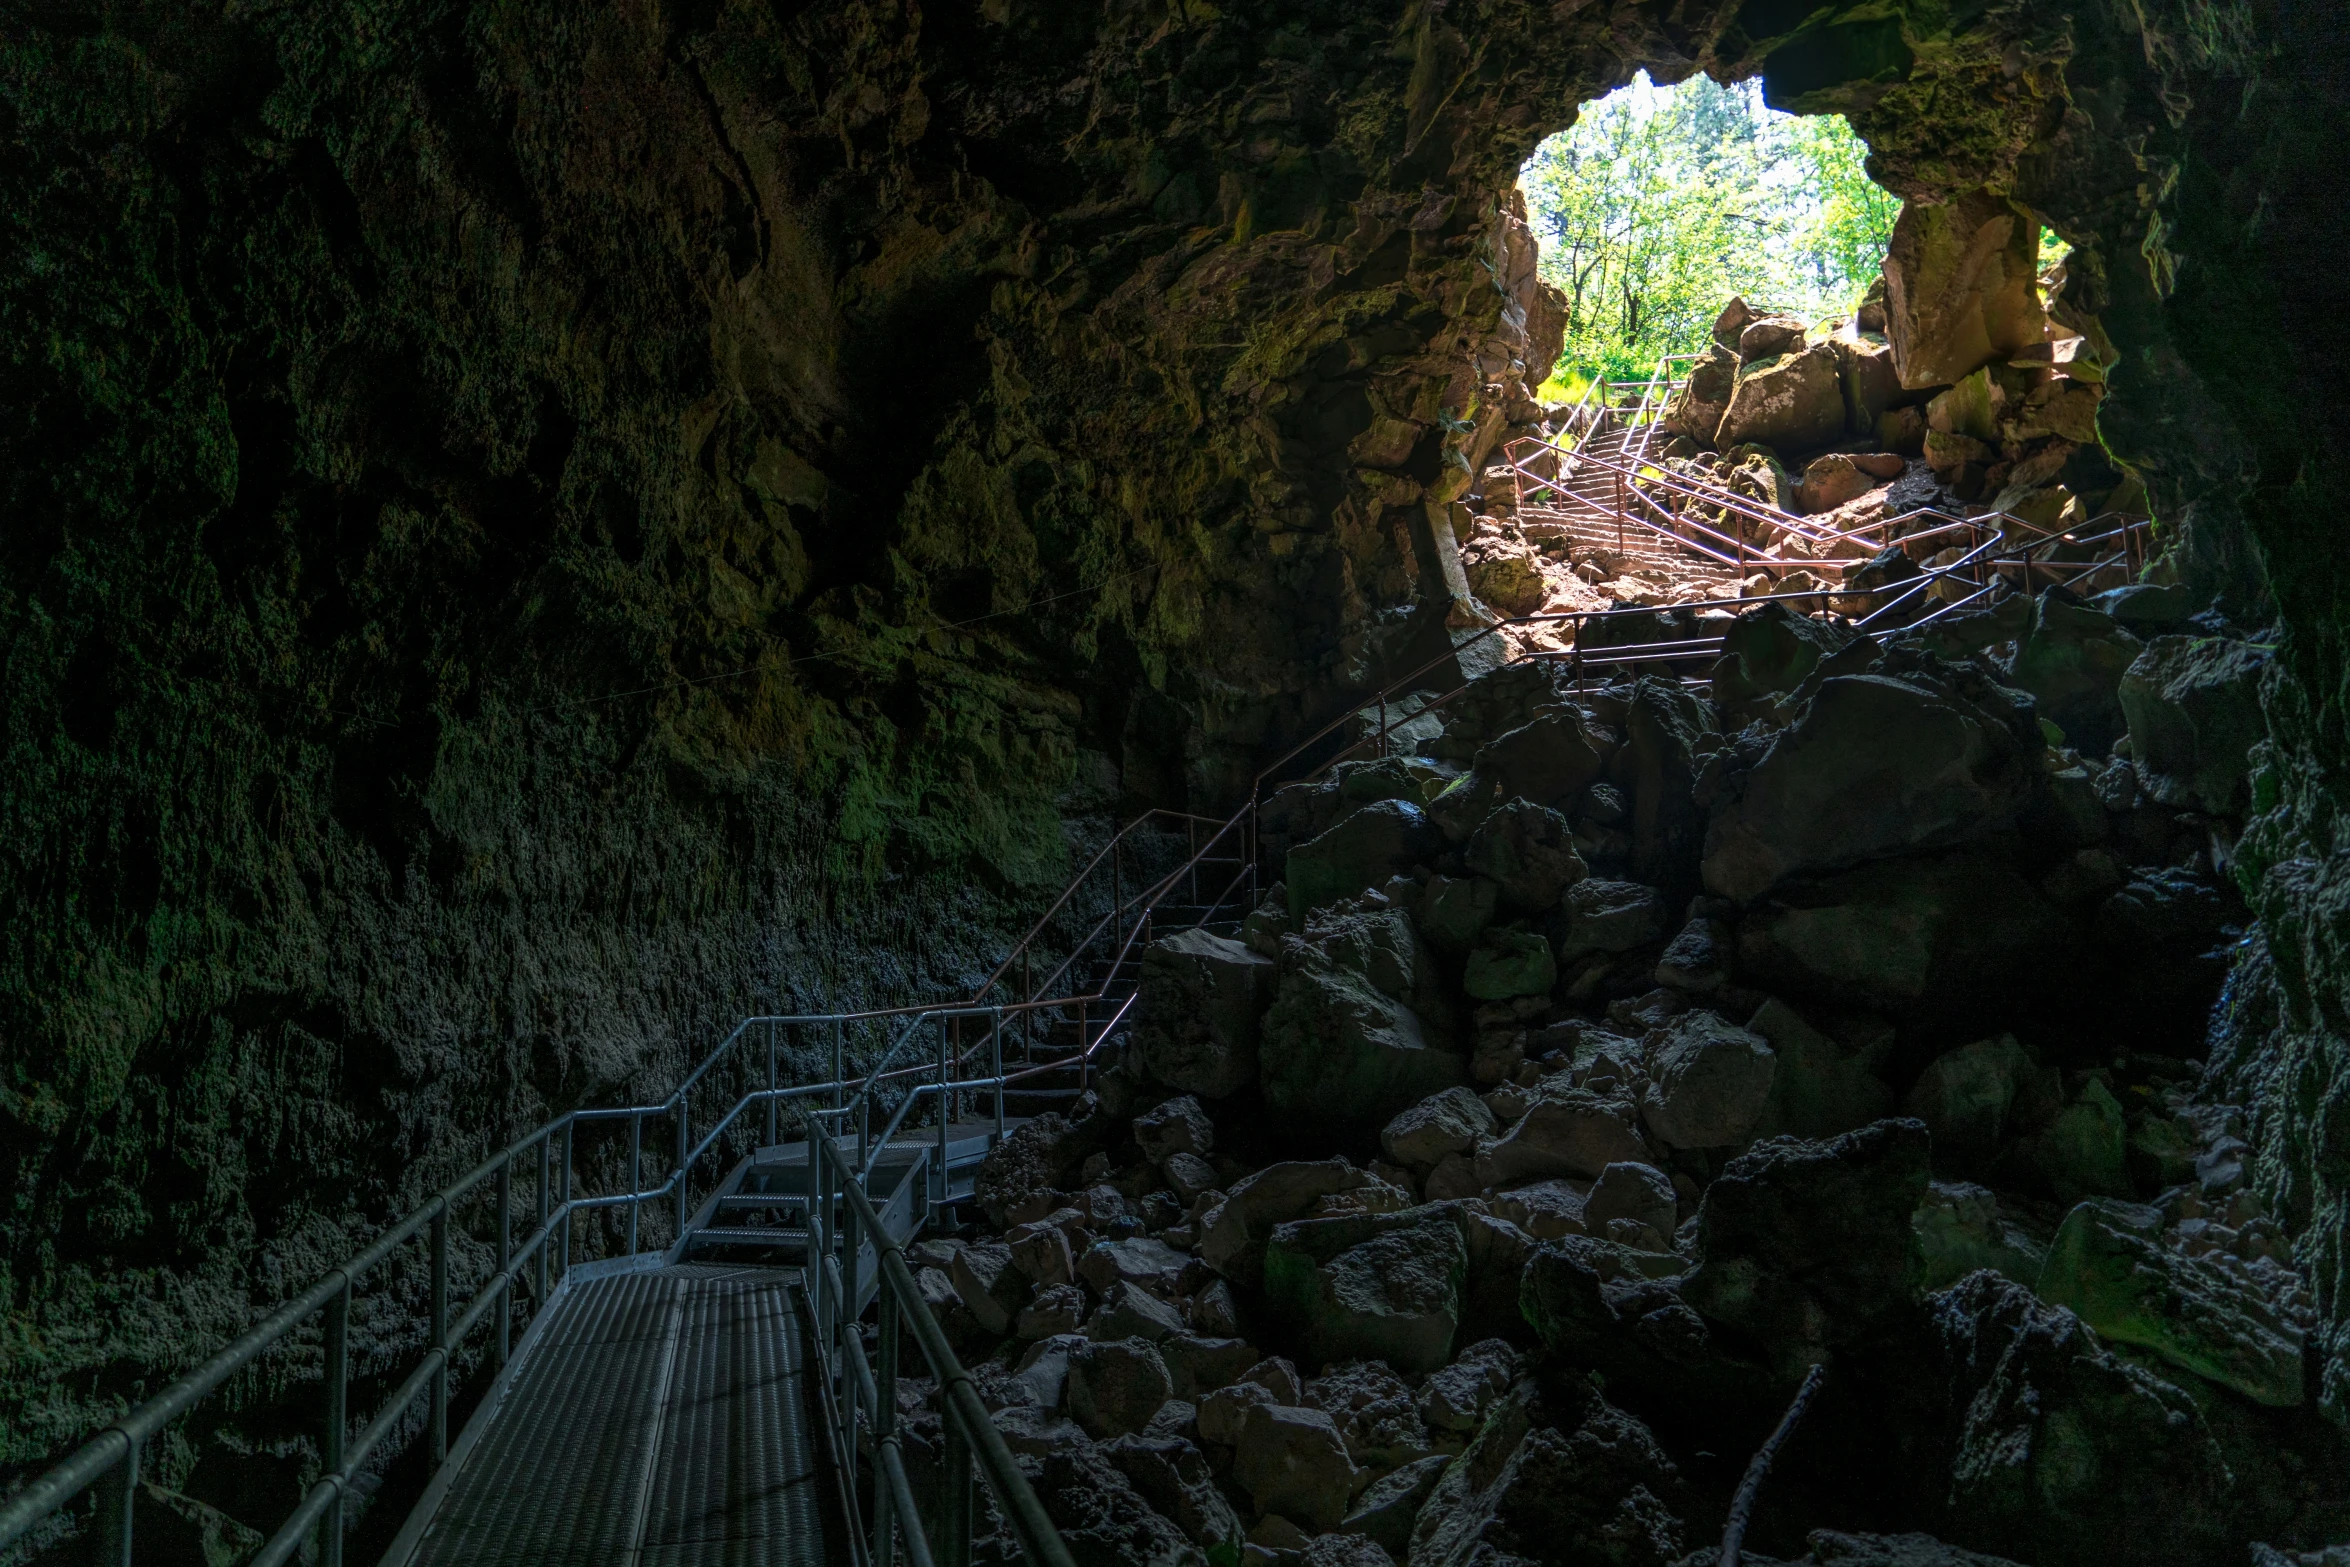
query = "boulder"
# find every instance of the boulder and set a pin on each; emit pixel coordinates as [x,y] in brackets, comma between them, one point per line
[1528,852]
[1639,1192]
[1961,287]
[1831,1548]
[1709,1082]
[1341,1043]
[1041,1252]
[1196,1012]
[1872,385]
[1934,937]
[2072,661]
[1174,1126]
[1699,960]
[1102,1518]
[1116,1385]
[1149,1264]
[1375,1412]
[2193,706]
[1664,725]
[1828,482]
[1566,1131]
[1601,1306]
[1344,1550]
[1808,1246]
[1384,1513]
[1292,1462]
[1793,402]
[1031,1163]
[2084,1149]
[1191,1176]
[1698,407]
[1128,1311]
[1232,1234]
[1202,1365]
[1454,911]
[1771,650]
[1443,1123]
[1545,1210]
[1540,1475]
[1608,916]
[1360,850]
[1384,1287]
[1977,1099]
[1544,760]
[1507,962]
[2061,1452]
[1960,1229]
[1876,765]
[1732,322]
[1820,1086]
[989,1285]
[1223,1412]
[1051,1313]
[2109,1266]
[1173,1477]
[1767,337]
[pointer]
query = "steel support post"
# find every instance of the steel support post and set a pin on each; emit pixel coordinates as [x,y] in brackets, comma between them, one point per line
[636,1174]
[951,1541]
[816,1228]
[546,1149]
[885,1427]
[568,1185]
[684,1146]
[505,1256]
[771,1103]
[338,1420]
[439,1417]
[118,1495]
[839,1055]
[995,1066]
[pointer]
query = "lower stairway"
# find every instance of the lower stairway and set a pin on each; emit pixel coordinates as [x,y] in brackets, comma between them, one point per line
[651,1418]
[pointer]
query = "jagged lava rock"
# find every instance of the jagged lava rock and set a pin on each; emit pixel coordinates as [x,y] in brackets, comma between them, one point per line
[1199,1001]
[1443,1123]
[2193,705]
[1376,1286]
[1116,1385]
[1360,850]
[1609,916]
[1293,1462]
[1793,401]
[1355,1031]
[1172,1475]
[1233,1233]
[1566,1131]
[1709,1082]
[1961,287]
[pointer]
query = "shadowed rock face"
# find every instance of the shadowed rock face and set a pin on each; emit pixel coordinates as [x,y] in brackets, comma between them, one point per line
[535,530]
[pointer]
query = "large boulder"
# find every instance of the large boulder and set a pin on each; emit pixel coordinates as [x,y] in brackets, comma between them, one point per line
[2060,1451]
[1542,1480]
[1791,401]
[2108,1264]
[1809,1246]
[1822,1085]
[1771,651]
[1371,1287]
[1960,1229]
[1444,1123]
[1116,1385]
[1566,1131]
[1197,1009]
[1876,765]
[1930,939]
[2193,705]
[1608,917]
[1173,1476]
[990,1285]
[1528,852]
[1665,727]
[1293,1462]
[1362,849]
[1961,287]
[1978,1099]
[1698,408]
[1597,1305]
[1355,1032]
[1232,1234]
[2072,661]
[1384,1513]
[1709,1082]
[1544,760]
[1507,963]
[1101,1517]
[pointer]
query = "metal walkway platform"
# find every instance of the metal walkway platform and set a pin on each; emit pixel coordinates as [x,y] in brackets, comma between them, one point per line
[655,1418]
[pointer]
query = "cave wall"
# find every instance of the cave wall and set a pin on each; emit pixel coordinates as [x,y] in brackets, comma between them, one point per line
[534,529]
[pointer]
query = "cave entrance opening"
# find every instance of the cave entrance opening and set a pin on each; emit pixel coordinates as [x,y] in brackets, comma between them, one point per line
[1662,203]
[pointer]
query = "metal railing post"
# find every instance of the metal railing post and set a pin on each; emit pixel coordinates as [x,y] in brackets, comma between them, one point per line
[118,1495]
[945,1108]
[995,1040]
[817,1216]
[338,1420]
[951,1544]
[440,1336]
[570,1186]
[546,1179]
[885,1427]
[771,1103]
[636,1173]
[505,1256]
[839,1054]
[684,1146]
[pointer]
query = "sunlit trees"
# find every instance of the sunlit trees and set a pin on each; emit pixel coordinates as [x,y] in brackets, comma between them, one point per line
[1661,203]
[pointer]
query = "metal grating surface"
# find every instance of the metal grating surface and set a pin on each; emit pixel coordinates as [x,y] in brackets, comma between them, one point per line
[659,1422]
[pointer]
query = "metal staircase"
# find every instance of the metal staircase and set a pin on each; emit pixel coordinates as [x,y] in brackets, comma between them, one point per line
[684,1371]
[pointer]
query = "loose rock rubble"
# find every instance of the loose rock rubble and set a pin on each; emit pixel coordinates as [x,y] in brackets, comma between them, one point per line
[1597,1070]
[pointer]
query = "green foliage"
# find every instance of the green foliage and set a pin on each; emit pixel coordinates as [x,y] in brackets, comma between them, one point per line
[1659,204]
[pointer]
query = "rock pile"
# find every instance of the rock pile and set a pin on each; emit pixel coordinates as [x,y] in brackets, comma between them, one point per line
[1594,1073]
[1950,386]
